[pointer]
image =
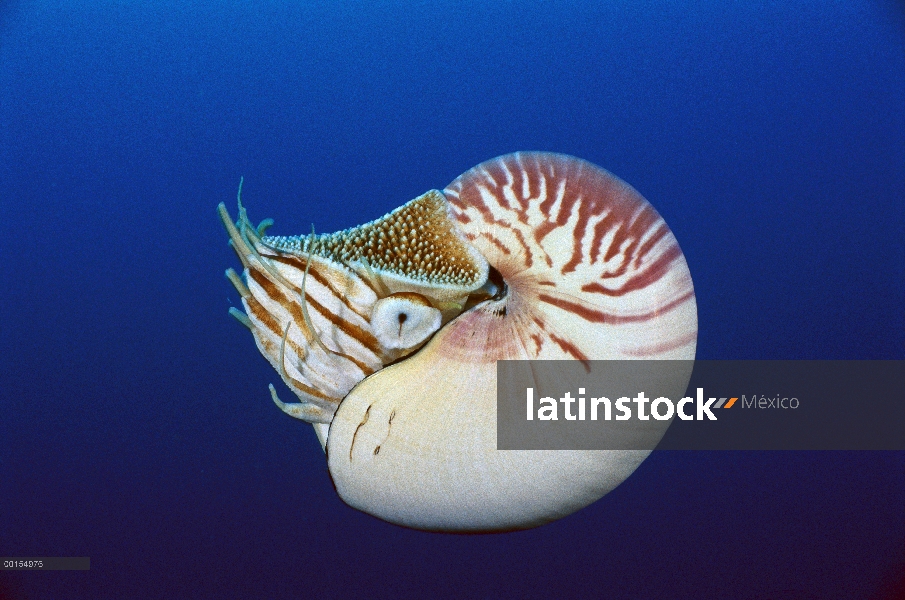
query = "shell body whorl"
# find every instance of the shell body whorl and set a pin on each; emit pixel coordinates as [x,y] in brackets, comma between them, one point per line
[592,272]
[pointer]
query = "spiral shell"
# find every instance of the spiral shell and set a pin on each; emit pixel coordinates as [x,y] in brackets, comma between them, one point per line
[551,257]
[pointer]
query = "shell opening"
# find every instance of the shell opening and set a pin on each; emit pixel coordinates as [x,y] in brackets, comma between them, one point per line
[494,290]
[496,285]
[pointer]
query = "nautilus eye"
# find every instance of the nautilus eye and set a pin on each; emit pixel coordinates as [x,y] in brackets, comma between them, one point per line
[389,333]
[404,320]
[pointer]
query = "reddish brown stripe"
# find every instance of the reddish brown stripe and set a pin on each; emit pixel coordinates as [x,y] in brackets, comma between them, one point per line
[646,351]
[462,218]
[260,313]
[673,303]
[538,342]
[532,177]
[529,259]
[596,316]
[648,276]
[475,199]
[639,227]
[571,349]
[363,337]
[600,230]
[299,265]
[537,337]
[656,270]
[660,310]
[596,288]
[634,230]
[367,283]
[361,366]
[621,232]
[497,172]
[311,391]
[644,221]
[589,314]
[547,204]
[580,232]
[541,231]
[265,317]
[571,194]
[650,243]
[519,236]
[496,242]
[522,174]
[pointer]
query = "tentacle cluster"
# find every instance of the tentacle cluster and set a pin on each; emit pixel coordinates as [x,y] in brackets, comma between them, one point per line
[327,311]
[261,286]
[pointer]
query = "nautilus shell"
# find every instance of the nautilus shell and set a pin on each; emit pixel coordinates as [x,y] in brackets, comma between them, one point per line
[389,333]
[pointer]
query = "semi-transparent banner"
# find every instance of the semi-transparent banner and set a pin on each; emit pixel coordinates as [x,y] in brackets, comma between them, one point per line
[701,405]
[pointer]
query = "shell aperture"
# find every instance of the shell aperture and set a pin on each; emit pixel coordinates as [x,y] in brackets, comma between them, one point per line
[526,256]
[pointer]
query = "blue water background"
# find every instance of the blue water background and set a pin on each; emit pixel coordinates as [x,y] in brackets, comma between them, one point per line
[135,423]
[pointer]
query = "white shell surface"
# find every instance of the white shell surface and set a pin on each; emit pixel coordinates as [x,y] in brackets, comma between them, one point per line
[592,272]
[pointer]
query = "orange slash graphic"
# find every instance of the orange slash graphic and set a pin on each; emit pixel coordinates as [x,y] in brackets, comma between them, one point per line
[730,403]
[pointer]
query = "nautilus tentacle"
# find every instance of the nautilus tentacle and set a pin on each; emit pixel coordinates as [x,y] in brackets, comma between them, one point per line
[526,256]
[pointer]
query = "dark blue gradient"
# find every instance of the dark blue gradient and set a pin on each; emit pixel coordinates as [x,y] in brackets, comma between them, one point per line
[135,422]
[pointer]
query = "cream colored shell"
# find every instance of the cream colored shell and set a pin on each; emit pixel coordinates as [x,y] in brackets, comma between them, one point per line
[571,263]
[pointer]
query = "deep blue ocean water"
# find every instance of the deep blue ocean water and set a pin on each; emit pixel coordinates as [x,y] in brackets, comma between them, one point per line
[135,422]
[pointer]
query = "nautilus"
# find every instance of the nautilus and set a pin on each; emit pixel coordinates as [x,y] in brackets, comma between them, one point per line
[388,333]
